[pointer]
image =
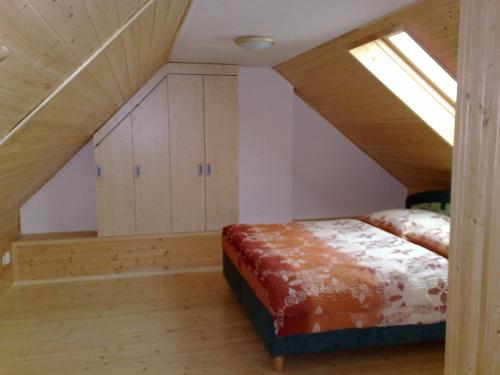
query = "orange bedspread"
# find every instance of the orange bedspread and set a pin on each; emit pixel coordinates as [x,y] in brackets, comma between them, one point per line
[324,276]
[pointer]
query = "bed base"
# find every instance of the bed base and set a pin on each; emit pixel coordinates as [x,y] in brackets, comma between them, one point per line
[281,346]
[436,201]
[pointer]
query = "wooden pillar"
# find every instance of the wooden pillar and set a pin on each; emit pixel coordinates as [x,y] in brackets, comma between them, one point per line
[473,333]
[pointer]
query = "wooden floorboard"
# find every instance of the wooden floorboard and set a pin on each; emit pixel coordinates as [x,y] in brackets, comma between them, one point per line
[177,324]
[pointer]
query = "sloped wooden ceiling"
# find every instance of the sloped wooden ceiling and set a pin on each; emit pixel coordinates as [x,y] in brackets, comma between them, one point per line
[334,83]
[70,65]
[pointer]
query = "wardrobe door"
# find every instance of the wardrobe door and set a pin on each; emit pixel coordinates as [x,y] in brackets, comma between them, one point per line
[221,139]
[152,163]
[115,182]
[185,97]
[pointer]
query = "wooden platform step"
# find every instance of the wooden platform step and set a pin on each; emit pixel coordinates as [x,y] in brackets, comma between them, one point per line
[44,260]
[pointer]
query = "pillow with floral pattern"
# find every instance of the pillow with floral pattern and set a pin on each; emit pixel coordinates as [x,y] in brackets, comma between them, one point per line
[425,228]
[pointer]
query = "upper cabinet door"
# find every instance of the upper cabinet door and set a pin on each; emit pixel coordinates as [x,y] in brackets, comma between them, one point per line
[115,182]
[187,154]
[221,139]
[152,163]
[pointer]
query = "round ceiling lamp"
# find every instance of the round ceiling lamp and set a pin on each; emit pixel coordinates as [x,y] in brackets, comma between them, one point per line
[254,42]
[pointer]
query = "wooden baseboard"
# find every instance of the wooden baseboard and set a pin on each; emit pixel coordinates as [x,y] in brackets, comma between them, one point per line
[56,236]
[123,256]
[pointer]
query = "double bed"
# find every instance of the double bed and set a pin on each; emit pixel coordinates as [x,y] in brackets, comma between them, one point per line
[343,284]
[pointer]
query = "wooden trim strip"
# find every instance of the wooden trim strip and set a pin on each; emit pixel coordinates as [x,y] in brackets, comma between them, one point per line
[128,275]
[202,69]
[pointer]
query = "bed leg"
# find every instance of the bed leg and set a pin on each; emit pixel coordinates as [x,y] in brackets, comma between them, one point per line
[279,363]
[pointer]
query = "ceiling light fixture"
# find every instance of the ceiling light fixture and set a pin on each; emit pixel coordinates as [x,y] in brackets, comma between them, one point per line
[4,52]
[254,42]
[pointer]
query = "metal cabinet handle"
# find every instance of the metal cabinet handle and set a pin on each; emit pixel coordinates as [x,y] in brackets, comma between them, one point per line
[137,170]
[209,169]
[98,171]
[200,169]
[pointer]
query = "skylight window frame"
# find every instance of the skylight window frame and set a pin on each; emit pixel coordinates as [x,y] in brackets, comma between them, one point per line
[421,74]
[413,72]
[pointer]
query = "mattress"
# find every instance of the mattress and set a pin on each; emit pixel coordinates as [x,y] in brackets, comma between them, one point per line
[330,275]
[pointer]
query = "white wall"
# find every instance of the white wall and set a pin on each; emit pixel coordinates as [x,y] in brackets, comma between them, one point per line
[67,202]
[331,176]
[293,164]
[265,127]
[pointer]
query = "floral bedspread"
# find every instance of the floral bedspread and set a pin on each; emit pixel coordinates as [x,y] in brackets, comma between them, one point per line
[326,275]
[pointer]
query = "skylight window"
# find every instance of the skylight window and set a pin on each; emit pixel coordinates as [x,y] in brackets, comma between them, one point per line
[414,77]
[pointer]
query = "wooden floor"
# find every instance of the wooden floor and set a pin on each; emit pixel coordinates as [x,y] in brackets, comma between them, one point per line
[177,324]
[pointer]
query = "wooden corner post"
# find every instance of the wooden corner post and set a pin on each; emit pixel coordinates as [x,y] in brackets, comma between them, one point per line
[473,329]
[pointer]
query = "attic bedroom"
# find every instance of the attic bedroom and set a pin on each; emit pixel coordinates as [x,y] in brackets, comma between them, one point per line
[254,187]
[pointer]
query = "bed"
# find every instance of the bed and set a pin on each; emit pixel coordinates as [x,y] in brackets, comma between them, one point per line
[341,284]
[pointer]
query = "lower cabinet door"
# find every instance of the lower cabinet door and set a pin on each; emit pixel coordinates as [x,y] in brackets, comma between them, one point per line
[221,139]
[152,163]
[115,182]
[187,154]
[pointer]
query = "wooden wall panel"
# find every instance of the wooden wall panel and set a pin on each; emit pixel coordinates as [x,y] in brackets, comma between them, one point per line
[335,84]
[9,231]
[55,259]
[65,120]
[473,318]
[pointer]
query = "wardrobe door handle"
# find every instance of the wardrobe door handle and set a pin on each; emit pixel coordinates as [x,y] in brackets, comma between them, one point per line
[98,171]
[200,169]
[137,170]
[209,169]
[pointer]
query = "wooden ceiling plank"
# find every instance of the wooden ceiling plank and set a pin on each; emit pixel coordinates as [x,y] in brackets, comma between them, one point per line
[131,38]
[29,37]
[126,8]
[146,35]
[177,10]
[94,62]
[117,60]
[18,76]
[26,35]
[157,41]
[13,108]
[71,23]
[64,121]
[101,71]
[105,19]
[92,90]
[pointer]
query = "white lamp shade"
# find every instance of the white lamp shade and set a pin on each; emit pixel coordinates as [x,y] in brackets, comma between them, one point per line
[254,42]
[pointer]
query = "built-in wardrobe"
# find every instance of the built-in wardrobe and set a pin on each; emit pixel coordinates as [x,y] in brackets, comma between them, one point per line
[170,162]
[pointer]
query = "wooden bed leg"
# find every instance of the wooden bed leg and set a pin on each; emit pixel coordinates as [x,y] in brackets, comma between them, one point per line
[279,363]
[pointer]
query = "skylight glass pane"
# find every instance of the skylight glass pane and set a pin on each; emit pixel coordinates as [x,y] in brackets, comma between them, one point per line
[427,65]
[406,84]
